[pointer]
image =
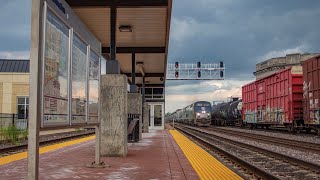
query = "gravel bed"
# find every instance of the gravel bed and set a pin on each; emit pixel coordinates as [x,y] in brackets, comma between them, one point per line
[281,169]
[298,137]
[307,156]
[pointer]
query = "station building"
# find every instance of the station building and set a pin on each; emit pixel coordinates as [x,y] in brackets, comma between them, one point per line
[273,65]
[14,86]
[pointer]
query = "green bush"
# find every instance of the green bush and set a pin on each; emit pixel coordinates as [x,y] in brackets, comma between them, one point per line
[25,134]
[12,134]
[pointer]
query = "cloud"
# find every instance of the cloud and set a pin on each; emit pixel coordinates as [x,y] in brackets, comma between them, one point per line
[182,95]
[14,55]
[283,52]
[242,33]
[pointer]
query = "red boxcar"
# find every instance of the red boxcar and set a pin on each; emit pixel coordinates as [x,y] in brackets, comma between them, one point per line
[278,98]
[311,92]
[249,108]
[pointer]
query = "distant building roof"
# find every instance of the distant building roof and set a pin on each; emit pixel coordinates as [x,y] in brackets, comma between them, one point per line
[14,65]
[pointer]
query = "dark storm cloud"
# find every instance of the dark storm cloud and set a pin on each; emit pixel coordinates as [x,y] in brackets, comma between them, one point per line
[242,33]
[15,25]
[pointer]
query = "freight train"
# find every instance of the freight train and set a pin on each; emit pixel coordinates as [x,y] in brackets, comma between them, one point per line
[197,114]
[287,98]
[227,113]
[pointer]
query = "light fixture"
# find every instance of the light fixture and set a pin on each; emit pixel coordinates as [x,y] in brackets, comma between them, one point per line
[125,28]
[140,64]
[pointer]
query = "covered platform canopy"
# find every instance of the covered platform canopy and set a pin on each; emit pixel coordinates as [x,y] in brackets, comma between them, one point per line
[134,32]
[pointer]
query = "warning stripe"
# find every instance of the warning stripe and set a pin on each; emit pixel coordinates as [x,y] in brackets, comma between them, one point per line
[205,165]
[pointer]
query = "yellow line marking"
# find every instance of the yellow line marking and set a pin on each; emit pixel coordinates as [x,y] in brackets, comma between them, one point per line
[205,165]
[15,157]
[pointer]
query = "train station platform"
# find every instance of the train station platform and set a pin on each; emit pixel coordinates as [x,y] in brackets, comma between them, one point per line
[157,156]
[161,154]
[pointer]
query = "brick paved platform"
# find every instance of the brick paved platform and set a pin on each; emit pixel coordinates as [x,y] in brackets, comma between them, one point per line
[157,156]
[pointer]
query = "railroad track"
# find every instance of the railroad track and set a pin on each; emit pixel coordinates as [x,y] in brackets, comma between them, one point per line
[294,144]
[17,148]
[264,163]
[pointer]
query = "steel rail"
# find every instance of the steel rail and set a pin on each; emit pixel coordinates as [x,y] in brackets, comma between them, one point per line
[15,148]
[258,171]
[299,145]
[295,161]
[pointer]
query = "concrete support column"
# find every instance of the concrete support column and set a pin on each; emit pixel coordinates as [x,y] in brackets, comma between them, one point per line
[146,117]
[114,115]
[135,107]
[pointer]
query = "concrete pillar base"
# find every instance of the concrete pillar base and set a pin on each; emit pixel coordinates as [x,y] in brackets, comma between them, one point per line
[135,107]
[113,115]
[146,117]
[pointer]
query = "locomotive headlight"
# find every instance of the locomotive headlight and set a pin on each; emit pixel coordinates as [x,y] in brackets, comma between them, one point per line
[208,114]
[198,114]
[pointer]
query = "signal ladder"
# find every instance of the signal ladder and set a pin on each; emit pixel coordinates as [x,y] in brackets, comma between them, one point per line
[198,71]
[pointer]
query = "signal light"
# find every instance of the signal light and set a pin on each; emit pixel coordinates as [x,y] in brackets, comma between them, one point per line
[199,74]
[176,65]
[221,64]
[221,74]
[176,74]
[198,64]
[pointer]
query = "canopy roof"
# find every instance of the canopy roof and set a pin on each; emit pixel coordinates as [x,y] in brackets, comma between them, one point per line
[150,24]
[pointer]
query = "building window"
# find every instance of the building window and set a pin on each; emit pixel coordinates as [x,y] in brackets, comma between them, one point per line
[23,107]
[154,93]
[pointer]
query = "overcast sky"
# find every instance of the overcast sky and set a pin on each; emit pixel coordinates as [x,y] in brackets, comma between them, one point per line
[238,32]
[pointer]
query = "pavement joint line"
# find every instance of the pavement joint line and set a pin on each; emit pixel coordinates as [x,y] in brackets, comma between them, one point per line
[23,155]
[205,165]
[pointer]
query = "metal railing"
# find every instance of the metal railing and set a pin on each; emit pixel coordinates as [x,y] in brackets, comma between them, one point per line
[20,121]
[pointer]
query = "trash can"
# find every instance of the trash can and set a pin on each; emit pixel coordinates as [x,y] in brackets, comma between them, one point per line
[133,127]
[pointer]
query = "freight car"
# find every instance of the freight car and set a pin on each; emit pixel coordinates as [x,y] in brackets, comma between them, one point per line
[227,113]
[284,99]
[197,114]
[274,100]
[311,94]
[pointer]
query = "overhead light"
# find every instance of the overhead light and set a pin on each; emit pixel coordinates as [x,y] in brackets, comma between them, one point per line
[140,64]
[125,28]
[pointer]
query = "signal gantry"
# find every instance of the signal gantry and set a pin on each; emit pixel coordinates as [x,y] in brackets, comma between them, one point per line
[195,71]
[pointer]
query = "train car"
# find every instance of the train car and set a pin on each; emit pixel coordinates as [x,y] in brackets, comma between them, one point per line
[228,113]
[234,114]
[275,100]
[197,114]
[217,115]
[311,94]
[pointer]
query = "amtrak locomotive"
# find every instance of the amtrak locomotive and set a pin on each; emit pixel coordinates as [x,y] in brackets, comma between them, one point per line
[198,114]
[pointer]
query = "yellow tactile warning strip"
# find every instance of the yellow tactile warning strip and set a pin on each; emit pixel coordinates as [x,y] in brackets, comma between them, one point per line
[206,166]
[23,155]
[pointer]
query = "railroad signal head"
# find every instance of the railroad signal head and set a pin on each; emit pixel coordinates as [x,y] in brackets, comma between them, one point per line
[176,74]
[199,74]
[221,74]
[221,64]
[198,64]
[176,65]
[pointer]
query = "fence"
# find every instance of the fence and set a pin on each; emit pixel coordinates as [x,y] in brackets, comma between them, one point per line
[20,121]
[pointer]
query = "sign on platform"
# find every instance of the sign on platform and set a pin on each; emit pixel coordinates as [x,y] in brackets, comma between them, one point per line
[70,76]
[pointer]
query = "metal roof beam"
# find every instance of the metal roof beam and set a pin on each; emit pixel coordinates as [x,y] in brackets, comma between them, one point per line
[106,50]
[151,85]
[118,3]
[146,74]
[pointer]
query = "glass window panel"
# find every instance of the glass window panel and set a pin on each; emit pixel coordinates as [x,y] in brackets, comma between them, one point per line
[79,72]
[93,86]
[157,90]
[56,70]
[21,100]
[148,90]
[27,100]
[157,115]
